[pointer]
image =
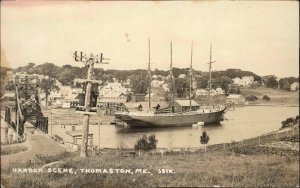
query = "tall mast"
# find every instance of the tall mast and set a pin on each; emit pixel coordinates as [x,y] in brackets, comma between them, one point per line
[191,73]
[171,76]
[149,75]
[210,62]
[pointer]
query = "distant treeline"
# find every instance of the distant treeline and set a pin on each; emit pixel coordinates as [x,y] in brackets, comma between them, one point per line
[67,73]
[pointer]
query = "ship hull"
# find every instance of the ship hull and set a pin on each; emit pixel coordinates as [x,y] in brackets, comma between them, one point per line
[170,120]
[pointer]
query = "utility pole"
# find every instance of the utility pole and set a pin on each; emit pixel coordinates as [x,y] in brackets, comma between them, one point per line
[89,62]
[171,78]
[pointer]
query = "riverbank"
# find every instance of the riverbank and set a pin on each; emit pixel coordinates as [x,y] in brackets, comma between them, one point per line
[239,164]
[278,97]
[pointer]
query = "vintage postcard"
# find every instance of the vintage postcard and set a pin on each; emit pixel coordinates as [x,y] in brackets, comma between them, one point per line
[149,94]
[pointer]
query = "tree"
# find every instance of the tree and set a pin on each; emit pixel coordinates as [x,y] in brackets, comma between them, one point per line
[270,81]
[146,143]
[222,82]
[181,86]
[204,138]
[284,84]
[48,85]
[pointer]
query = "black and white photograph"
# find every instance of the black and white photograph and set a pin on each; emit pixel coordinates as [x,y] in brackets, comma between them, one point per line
[149,94]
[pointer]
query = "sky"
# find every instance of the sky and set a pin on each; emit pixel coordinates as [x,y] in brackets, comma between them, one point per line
[261,36]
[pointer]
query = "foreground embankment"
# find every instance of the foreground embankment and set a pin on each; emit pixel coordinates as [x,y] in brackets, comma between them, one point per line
[266,161]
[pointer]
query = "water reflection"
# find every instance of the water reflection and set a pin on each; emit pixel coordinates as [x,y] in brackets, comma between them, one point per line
[242,123]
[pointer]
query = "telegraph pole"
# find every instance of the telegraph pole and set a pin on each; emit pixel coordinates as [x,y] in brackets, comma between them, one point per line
[89,62]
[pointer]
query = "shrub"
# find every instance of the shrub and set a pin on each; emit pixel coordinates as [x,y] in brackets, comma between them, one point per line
[251,98]
[266,97]
[146,143]
[204,138]
[290,122]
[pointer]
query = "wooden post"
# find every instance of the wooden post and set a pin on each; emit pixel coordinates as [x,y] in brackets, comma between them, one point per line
[86,117]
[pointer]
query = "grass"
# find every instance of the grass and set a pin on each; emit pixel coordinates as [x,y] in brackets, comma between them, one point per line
[278,96]
[8,150]
[221,168]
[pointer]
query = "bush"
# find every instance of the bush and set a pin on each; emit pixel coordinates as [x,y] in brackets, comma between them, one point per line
[146,143]
[251,98]
[290,122]
[266,97]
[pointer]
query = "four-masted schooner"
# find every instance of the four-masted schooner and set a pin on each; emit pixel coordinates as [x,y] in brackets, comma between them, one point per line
[174,115]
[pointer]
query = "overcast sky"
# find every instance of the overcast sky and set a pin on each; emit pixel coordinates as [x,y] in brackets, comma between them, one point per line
[262,37]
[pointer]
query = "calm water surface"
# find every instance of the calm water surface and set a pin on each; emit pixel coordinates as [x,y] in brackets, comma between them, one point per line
[241,123]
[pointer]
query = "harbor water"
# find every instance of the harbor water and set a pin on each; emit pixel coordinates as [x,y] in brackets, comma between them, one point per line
[240,123]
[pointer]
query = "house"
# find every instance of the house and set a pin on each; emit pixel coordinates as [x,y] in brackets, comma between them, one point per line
[182,76]
[75,137]
[156,83]
[165,86]
[236,99]
[201,92]
[295,86]
[112,88]
[184,105]
[220,91]
[111,100]
[244,81]
[153,97]
[138,97]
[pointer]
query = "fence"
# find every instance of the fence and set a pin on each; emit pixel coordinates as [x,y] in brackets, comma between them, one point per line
[262,139]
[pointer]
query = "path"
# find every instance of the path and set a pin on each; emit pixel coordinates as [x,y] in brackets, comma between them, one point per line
[37,144]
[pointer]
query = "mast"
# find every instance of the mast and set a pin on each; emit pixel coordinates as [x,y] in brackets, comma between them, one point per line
[210,62]
[191,73]
[171,76]
[149,75]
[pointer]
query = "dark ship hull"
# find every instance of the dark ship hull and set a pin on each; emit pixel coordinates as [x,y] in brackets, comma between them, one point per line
[150,119]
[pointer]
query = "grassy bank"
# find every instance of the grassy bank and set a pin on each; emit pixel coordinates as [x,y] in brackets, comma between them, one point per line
[277,96]
[8,150]
[236,166]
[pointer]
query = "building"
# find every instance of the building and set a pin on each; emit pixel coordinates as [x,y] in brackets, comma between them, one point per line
[182,76]
[154,97]
[138,97]
[111,100]
[184,105]
[156,83]
[244,81]
[201,92]
[295,86]
[75,137]
[112,88]
[236,99]
[220,91]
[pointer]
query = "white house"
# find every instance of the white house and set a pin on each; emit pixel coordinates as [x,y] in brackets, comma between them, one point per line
[157,83]
[201,92]
[245,81]
[112,88]
[295,86]
[182,76]
[220,91]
